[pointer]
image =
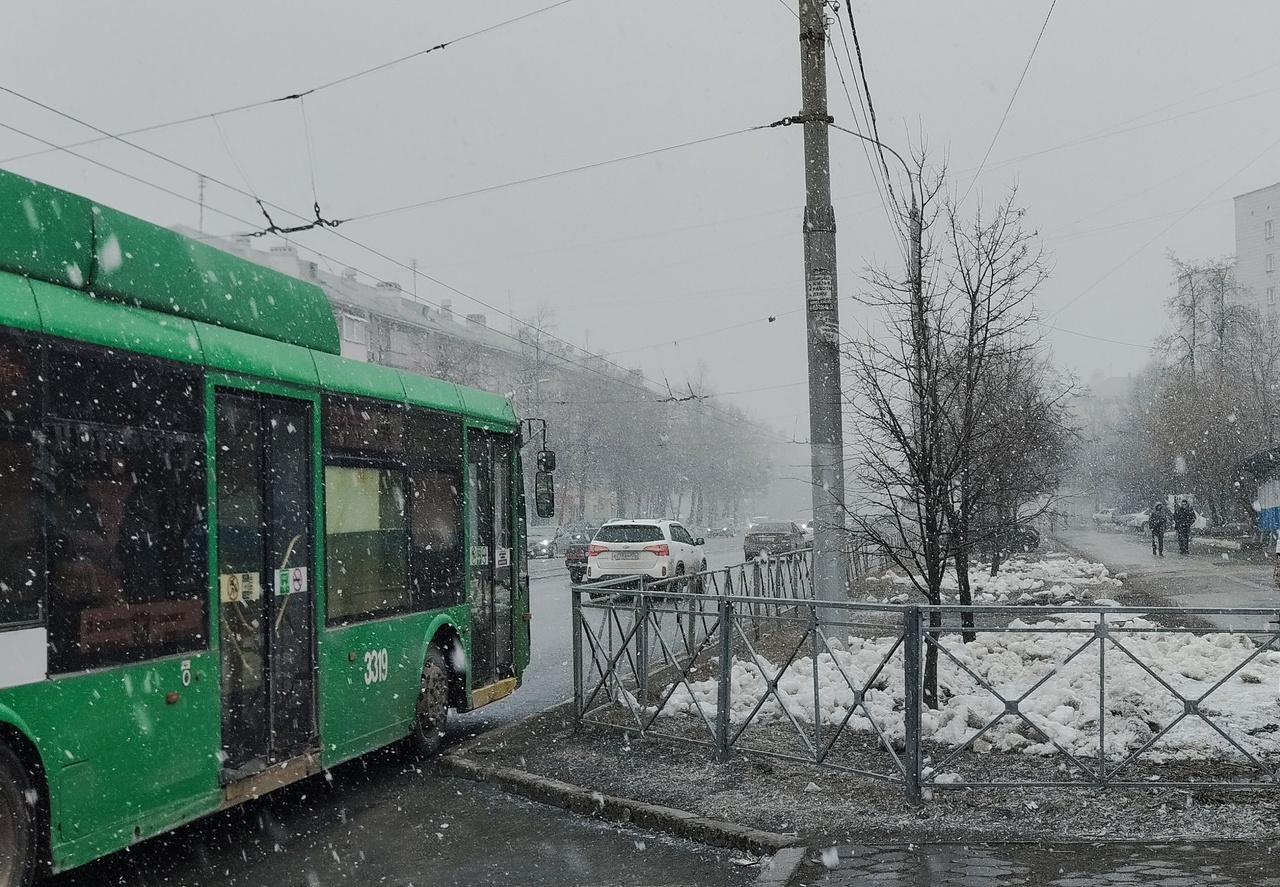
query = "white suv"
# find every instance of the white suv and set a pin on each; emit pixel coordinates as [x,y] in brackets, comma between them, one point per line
[658,549]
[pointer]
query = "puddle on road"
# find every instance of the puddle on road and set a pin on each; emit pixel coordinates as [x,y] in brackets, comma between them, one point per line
[1223,864]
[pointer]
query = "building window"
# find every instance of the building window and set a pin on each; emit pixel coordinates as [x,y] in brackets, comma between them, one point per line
[355,329]
[1266,229]
[1271,261]
[1271,296]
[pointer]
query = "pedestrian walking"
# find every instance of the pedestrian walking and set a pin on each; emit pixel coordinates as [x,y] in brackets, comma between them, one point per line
[1184,516]
[1158,522]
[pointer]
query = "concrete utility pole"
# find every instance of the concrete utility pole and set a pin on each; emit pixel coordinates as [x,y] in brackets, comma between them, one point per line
[826,433]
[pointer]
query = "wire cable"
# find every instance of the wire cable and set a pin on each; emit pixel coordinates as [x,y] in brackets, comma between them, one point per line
[551,175]
[1009,107]
[298,95]
[866,88]
[321,224]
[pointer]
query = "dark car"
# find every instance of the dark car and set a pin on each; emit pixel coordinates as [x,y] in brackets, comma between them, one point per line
[575,552]
[773,537]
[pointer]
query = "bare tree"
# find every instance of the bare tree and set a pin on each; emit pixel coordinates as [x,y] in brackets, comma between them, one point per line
[922,393]
[1215,397]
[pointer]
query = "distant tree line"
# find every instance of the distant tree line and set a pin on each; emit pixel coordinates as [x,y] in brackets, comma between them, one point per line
[625,449]
[1208,400]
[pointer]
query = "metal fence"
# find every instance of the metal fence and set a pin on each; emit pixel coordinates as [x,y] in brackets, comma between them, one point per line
[1091,696]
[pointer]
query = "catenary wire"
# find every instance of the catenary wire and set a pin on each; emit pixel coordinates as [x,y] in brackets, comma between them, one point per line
[1009,107]
[258,104]
[552,175]
[623,376]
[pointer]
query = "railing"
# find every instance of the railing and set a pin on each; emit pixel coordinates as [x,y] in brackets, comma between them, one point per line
[744,659]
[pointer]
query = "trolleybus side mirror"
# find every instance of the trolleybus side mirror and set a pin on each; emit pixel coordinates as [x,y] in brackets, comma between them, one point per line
[544,494]
[546,462]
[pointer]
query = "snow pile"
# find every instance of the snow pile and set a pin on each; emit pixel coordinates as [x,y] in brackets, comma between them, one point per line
[1057,580]
[1155,679]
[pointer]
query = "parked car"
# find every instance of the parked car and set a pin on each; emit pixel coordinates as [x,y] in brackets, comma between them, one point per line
[657,549]
[772,537]
[545,541]
[575,552]
[1105,517]
[1138,520]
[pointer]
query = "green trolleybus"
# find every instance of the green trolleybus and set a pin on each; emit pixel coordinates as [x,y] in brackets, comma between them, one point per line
[229,558]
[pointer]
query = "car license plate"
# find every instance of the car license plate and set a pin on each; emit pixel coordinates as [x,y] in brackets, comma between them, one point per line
[626,555]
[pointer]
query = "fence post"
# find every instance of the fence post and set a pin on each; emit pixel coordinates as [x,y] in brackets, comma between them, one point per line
[1102,633]
[579,693]
[725,679]
[913,698]
[642,644]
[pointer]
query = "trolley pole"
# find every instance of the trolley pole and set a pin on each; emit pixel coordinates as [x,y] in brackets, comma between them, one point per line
[826,434]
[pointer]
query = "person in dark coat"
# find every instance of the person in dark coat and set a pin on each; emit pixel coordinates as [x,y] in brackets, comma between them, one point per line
[1184,516]
[1159,522]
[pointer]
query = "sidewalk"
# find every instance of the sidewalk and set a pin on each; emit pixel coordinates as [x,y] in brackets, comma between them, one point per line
[1213,575]
[823,827]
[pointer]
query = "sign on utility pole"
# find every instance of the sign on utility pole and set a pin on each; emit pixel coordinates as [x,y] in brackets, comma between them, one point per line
[826,433]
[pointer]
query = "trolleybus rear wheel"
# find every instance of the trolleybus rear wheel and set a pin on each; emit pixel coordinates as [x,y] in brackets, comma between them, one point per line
[432,712]
[17,823]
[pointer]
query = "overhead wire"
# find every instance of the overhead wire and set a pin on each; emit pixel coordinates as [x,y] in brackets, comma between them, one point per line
[1009,106]
[552,175]
[1166,229]
[298,95]
[891,214]
[39,104]
[866,89]
[623,375]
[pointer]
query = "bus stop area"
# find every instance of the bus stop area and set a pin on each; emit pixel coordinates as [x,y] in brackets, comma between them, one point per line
[821,826]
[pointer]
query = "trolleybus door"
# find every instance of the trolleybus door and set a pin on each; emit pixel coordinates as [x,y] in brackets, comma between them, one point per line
[265,527]
[493,558]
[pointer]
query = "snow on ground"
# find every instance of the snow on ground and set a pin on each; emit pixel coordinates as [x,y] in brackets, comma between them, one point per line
[1055,579]
[1046,666]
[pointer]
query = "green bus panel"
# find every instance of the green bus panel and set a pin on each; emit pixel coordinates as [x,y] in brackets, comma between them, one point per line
[18,303]
[75,315]
[358,377]
[143,264]
[433,393]
[493,410]
[362,706]
[125,759]
[45,232]
[240,353]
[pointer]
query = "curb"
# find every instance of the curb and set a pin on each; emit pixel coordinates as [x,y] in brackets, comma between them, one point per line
[585,802]
[785,855]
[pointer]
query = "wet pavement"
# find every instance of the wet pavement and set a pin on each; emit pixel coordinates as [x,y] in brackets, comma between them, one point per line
[379,821]
[1222,864]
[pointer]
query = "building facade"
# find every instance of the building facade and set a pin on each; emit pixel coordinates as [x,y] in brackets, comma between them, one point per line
[1257,222]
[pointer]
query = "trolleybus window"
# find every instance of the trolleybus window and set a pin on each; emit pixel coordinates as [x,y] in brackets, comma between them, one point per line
[385,554]
[21,576]
[365,542]
[435,483]
[436,532]
[122,460]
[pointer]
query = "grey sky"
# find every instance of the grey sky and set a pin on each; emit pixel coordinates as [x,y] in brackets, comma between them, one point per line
[1134,127]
